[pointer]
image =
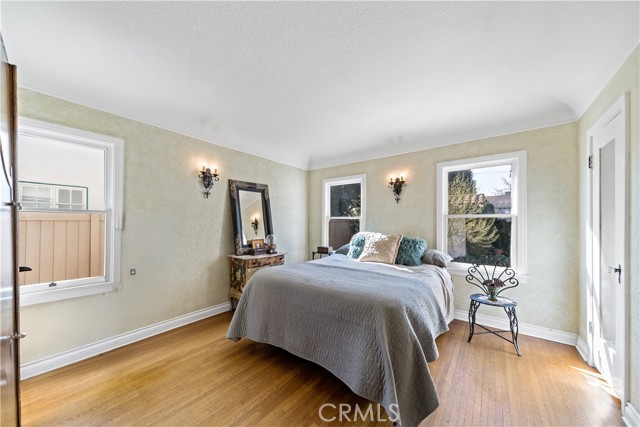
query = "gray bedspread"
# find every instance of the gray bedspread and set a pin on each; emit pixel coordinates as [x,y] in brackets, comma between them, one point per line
[372,325]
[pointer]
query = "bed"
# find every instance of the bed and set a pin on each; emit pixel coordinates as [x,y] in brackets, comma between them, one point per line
[372,325]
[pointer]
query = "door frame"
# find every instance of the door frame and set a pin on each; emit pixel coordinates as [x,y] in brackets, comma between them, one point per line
[619,108]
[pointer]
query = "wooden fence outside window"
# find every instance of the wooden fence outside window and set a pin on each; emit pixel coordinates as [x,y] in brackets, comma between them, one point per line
[60,246]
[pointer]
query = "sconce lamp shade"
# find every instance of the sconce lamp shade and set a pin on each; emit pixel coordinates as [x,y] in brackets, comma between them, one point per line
[208,178]
[396,187]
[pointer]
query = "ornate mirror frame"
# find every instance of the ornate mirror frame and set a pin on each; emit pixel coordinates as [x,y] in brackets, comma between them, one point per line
[234,188]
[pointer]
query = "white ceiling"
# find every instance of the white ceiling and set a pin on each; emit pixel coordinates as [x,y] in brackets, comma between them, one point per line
[318,84]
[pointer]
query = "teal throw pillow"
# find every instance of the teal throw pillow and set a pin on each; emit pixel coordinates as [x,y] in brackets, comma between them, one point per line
[356,245]
[410,251]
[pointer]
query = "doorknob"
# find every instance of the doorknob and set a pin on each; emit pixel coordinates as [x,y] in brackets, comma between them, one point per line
[617,270]
[13,336]
[22,269]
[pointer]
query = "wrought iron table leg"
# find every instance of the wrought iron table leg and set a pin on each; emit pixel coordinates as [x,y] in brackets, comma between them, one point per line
[473,307]
[513,324]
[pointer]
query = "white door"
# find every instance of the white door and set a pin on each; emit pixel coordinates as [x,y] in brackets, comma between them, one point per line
[609,301]
[9,332]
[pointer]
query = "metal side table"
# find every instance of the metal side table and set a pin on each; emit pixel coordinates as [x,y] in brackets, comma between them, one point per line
[509,307]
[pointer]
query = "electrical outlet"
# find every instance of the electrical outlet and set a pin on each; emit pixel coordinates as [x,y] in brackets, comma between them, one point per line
[132,271]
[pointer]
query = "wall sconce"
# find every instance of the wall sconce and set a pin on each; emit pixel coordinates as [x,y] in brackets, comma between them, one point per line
[208,178]
[396,187]
[254,225]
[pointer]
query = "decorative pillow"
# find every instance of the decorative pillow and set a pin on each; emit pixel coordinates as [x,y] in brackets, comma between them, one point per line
[380,248]
[410,251]
[357,244]
[343,250]
[436,257]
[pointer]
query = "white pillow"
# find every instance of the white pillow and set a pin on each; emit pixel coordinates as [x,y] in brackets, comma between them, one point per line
[381,248]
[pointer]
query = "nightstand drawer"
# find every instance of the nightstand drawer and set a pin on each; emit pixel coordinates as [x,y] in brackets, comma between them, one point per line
[265,261]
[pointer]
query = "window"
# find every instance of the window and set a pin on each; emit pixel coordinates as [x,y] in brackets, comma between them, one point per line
[482,211]
[34,195]
[70,188]
[343,207]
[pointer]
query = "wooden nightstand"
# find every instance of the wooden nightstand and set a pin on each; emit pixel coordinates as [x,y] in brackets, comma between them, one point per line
[322,250]
[242,267]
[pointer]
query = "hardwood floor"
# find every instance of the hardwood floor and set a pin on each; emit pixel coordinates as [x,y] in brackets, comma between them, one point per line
[195,376]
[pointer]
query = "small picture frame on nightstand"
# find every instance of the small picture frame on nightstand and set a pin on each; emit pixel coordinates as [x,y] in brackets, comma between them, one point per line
[257,244]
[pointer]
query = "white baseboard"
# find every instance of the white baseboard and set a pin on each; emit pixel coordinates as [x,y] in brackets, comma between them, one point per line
[523,328]
[47,364]
[583,349]
[630,416]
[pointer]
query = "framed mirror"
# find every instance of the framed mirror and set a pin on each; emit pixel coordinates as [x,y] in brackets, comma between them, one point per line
[251,212]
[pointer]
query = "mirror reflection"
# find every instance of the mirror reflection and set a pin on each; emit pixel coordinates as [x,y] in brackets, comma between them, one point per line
[252,215]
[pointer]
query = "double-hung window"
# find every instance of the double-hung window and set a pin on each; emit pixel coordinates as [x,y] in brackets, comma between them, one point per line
[70,190]
[343,207]
[482,211]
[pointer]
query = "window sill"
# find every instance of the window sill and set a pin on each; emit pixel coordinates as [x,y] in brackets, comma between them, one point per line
[50,295]
[462,272]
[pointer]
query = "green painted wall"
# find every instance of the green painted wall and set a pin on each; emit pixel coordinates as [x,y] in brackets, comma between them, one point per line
[176,239]
[548,299]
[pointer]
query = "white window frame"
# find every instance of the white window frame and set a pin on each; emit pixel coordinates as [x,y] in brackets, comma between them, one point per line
[326,201]
[518,162]
[55,191]
[114,179]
